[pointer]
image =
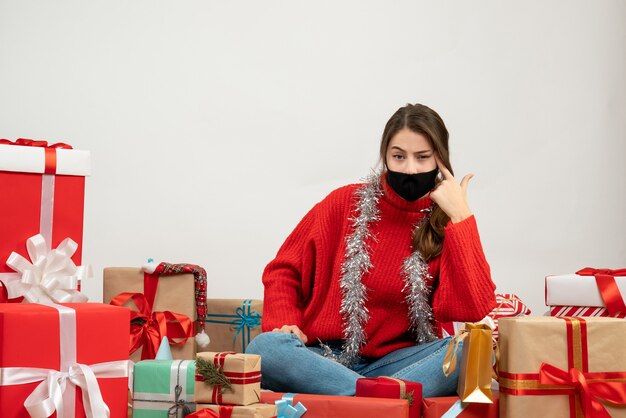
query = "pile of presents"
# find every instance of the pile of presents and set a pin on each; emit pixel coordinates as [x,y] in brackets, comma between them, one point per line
[157,347]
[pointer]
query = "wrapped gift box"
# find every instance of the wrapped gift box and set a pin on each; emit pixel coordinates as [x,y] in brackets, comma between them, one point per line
[242,371]
[174,293]
[438,407]
[323,406]
[37,339]
[155,394]
[543,360]
[389,387]
[508,305]
[232,323]
[44,189]
[583,311]
[257,410]
[587,289]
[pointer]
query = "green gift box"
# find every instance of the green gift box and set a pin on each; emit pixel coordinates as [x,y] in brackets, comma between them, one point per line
[163,388]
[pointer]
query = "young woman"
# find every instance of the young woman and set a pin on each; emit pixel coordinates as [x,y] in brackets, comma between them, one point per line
[361,284]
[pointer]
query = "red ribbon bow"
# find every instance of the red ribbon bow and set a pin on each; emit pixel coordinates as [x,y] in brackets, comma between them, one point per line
[605,279]
[34,143]
[148,328]
[589,389]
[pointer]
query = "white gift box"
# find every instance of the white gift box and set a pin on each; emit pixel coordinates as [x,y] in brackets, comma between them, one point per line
[576,290]
[25,159]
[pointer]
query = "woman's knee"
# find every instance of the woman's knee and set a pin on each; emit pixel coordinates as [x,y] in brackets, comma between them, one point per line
[268,343]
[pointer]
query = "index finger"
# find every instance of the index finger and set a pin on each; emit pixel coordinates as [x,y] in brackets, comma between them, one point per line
[447,175]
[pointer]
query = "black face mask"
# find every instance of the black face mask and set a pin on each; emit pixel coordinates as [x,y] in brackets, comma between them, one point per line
[411,187]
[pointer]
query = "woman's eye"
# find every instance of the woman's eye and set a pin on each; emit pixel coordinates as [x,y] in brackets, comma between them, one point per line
[423,157]
[398,157]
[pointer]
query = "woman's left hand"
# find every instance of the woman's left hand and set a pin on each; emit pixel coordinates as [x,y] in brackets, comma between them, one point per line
[452,196]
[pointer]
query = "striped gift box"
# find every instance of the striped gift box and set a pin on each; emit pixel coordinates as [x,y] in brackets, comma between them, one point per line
[583,311]
[155,388]
[508,305]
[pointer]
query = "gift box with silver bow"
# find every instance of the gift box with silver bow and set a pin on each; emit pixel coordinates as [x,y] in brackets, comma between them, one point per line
[163,388]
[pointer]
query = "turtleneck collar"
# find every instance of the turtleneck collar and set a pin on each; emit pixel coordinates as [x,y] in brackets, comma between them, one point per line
[395,200]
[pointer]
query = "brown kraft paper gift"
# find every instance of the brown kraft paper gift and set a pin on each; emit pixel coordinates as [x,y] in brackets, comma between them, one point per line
[232,323]
[553,367]
[228,378]
[174,293]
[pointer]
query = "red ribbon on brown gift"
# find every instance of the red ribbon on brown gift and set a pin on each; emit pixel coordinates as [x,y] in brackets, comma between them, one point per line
[148,328]
[585,389]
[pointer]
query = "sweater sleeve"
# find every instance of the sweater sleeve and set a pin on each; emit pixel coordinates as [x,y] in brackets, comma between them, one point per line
[283,276]
[465,290]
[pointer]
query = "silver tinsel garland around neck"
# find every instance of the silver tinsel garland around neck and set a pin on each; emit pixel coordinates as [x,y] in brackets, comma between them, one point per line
[357,263]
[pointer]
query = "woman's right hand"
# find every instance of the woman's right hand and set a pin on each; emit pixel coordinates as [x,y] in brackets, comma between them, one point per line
[292,329]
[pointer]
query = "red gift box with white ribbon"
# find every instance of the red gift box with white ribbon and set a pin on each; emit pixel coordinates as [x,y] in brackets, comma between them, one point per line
[43,186]
[63,357]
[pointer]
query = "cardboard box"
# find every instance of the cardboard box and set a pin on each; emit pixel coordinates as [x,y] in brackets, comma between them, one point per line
[241,371]
[545,360]
[175,293]
[232,323]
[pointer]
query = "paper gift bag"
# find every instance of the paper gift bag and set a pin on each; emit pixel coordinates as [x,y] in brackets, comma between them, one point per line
[326,406]
[475,370]
[256,410]
[74,351]
[232,323]
[562,367]
[390,387]
[174,294]
[228,378]
[163,388]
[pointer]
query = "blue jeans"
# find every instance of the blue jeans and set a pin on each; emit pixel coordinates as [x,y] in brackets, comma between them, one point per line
[287,365]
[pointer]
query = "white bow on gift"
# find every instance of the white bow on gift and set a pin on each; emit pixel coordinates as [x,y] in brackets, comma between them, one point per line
[50,276]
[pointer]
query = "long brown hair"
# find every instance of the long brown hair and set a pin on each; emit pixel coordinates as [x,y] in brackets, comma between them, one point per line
[423,120]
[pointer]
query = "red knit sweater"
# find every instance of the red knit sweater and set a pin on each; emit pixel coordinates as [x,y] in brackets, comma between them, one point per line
[302,282]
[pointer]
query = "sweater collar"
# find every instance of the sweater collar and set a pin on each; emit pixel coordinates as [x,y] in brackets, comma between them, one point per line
[392,198]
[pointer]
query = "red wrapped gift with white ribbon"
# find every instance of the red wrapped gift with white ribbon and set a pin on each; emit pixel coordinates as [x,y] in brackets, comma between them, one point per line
[43,186]
[71,359]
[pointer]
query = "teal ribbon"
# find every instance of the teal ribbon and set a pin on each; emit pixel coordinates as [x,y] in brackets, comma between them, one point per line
[454,410]
[242,322]
[285,408]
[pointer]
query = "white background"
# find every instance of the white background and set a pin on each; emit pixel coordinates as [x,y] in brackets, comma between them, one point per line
[214,126]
